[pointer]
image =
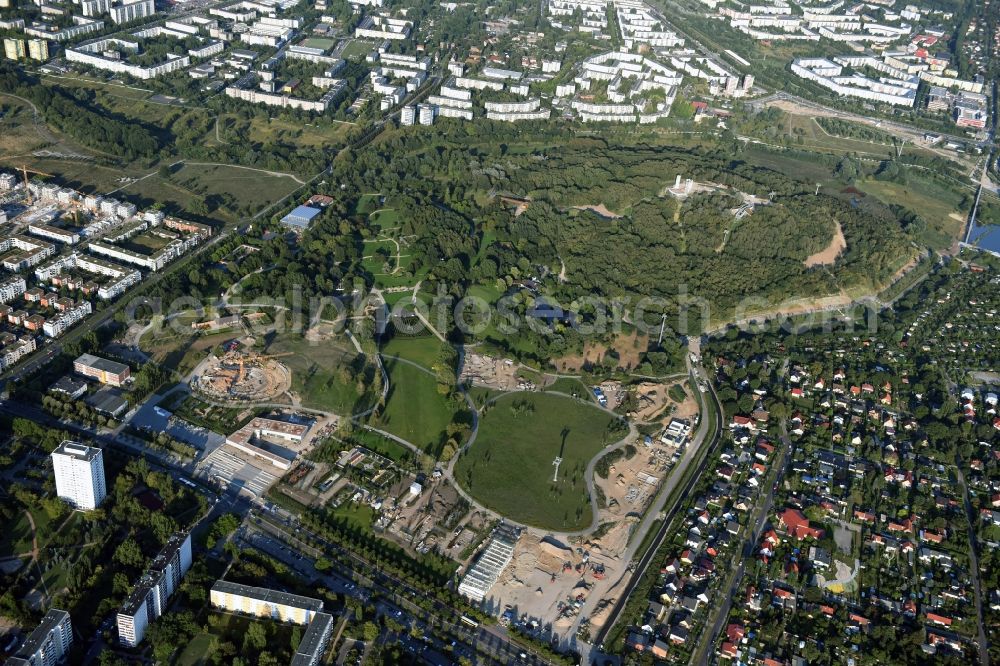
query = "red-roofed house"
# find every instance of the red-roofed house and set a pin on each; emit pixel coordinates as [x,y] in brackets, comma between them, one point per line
[940,620]
[797,525]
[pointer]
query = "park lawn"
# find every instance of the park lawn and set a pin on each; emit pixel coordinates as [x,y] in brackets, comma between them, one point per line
[366,204]
[487,240]
[487,292]
[16,539]
[401,279]
[380,444]
[375,264]
[570,386]
[481,395]
[510,467]
[197,651]
[384,218]
[323,376]
[422,349]
[414,409]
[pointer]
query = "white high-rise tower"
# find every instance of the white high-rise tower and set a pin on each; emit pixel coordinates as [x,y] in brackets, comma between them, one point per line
[79,471]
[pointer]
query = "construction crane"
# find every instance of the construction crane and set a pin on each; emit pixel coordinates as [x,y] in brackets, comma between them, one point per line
[25,170]
[256,358]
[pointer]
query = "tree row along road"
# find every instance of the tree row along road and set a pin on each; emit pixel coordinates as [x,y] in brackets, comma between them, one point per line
[389,584]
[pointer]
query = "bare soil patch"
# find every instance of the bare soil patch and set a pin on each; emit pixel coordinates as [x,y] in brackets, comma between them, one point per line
[600,209]
[629,349]
[829,254]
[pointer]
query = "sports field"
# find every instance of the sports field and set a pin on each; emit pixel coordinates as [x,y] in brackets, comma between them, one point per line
[319,43]
[510,467]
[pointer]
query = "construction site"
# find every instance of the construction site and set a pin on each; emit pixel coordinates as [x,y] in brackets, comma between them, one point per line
[554,585]
[239,376]
[495,373]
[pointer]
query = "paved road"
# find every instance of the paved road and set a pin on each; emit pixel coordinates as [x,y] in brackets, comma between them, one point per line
[751,537]
[855,117]
[494,639]
[974,571]
[699,449]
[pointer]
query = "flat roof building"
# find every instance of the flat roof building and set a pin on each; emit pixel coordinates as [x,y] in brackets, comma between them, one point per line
[109,402]
[263,602]
[101,369]
[314,641]
[301,217]
[48,644]
[74,388]
[79,472]
[148,600]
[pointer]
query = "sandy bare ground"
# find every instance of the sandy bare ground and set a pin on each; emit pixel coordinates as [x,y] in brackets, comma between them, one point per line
[601,210]
[829,254]
[629,349]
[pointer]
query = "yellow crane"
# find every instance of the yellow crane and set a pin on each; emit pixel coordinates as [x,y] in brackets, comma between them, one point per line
[25,170]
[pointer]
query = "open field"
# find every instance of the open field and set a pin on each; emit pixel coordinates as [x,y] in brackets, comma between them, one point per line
[83,176]
[319,43]
[145,243]
[935,204]
[423,350]
[816,138]
[178,352]
[510,466]
[265,130]
[326,375]
[414,409]
[380,444]
[20,136]
[227,192]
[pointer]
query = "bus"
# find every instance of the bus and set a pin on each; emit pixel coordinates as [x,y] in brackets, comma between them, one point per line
[469,622]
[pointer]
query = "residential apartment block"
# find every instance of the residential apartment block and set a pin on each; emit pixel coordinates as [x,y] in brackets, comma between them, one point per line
[148,600]
[79,472]
[48,644]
